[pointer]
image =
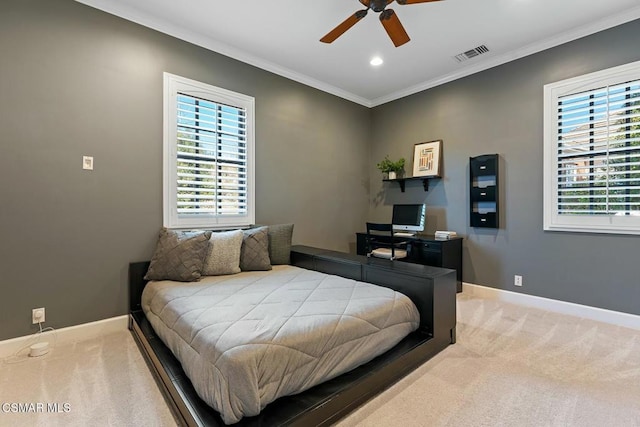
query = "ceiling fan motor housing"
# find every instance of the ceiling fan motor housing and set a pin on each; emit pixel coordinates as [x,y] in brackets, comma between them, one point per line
[378,5]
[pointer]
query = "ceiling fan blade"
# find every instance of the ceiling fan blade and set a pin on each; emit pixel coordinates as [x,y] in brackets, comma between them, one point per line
[367,3]
[394,28]
[344,26]
[414,1]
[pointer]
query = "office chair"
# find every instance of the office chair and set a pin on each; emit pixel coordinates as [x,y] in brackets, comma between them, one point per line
[381,243]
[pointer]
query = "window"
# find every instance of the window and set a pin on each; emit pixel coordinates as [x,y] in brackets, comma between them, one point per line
[592,152]
[208,156]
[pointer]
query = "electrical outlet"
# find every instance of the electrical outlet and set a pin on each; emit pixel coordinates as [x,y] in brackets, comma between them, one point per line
[517,280]
[37,315]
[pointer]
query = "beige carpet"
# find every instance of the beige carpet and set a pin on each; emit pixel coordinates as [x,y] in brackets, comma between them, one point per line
[104,381]
[512,366]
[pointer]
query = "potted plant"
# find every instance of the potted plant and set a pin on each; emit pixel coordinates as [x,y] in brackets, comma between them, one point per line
[391,168]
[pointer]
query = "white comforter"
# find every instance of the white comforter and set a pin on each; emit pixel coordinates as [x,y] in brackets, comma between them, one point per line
[245,340]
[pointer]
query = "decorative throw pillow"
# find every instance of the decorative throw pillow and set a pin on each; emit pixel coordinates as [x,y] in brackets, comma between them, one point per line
[254,254]
[223,256]
[179,255]
[280,243]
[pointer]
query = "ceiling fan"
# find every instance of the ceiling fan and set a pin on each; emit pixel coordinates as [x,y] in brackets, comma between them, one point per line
[388,18]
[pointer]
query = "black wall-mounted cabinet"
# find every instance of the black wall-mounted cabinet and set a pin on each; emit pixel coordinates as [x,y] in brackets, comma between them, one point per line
[483,191]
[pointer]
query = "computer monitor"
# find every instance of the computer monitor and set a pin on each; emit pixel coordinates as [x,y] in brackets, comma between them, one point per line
[408,218]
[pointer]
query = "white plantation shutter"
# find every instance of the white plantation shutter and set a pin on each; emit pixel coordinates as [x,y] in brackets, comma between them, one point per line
[592,152]
[208,156]
[211,158]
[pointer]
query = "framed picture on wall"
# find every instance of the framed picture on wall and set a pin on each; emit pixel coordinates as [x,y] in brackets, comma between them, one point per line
[427,158]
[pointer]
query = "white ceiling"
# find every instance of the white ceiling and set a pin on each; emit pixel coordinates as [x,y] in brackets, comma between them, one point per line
[282,36]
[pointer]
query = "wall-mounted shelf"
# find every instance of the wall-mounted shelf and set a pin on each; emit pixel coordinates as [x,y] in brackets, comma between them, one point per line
[483,191]
[401,181]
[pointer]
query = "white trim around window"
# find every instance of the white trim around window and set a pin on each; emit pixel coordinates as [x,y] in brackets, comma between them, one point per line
[208,156]
[592,152]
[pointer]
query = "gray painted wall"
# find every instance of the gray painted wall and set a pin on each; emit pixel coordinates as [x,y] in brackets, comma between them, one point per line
[501,111]
[75,81]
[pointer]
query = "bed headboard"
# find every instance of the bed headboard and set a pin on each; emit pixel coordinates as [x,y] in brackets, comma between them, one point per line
[137,271]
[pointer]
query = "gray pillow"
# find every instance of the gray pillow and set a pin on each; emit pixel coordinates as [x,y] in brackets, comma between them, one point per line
[223,256]
[280,243]
[179,255]
[254,254]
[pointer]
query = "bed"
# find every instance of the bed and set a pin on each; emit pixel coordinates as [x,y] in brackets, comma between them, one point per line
[401,331]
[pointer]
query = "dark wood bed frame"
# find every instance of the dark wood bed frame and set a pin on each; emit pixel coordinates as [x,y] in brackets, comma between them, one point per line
[432,289]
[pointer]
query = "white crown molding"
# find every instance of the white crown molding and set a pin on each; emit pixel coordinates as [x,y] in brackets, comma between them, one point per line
[574,34]
[617,318]
[134,15]
[141,18]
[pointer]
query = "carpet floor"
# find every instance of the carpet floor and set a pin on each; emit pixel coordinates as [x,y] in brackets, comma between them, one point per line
[516,366]
[98,382]
[511,366]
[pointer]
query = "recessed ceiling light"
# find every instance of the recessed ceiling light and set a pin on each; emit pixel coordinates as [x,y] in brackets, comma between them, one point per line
[376,61]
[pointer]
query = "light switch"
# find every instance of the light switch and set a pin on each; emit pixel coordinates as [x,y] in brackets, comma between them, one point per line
[87,163]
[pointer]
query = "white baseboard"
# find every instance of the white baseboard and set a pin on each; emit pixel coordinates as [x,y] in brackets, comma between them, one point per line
[584,311]
[69,334]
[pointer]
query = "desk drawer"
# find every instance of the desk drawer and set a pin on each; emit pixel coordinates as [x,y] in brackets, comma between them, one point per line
[429,246]
[429,253]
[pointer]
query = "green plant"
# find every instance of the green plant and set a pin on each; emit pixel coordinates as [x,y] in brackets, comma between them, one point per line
[387,165]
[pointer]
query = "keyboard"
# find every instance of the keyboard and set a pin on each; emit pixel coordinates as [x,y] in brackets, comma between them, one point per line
[400,234]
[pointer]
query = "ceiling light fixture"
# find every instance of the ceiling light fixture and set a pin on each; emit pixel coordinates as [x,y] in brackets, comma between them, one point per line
[376,61]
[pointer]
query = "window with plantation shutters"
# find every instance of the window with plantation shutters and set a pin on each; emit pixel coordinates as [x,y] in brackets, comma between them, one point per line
[592,152]
[208,173]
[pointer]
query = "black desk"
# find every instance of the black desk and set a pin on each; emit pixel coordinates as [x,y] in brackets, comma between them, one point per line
[427,250]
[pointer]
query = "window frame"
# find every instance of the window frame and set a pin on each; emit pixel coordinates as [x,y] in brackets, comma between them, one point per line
[553,221]
[173,85]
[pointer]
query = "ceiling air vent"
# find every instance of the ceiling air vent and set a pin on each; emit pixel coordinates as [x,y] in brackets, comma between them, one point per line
[471,53]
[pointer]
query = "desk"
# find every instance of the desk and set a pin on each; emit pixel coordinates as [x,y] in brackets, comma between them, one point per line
[427,250]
